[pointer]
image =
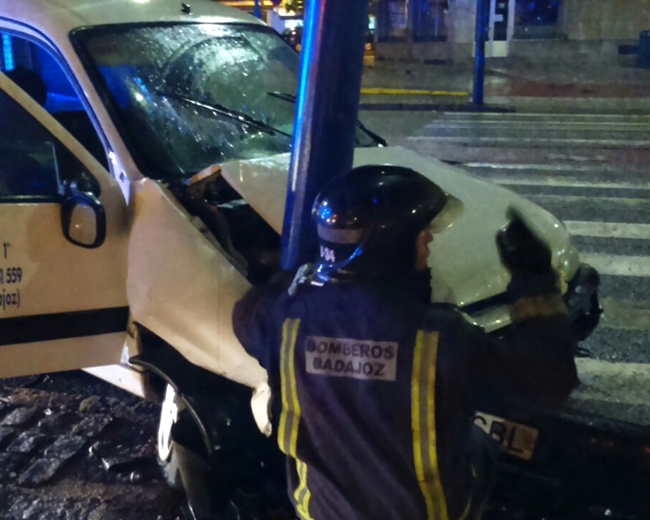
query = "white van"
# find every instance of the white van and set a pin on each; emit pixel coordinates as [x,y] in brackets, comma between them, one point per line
[144,151]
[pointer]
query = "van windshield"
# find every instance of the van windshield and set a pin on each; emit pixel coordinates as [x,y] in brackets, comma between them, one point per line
[185,96]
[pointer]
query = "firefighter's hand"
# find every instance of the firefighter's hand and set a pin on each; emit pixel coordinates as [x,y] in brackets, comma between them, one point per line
[521,250]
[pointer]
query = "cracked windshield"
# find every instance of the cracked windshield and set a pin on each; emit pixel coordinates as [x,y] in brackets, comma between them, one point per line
[427,298]
[190,95]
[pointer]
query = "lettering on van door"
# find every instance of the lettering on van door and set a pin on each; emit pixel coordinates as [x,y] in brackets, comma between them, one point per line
[10,277]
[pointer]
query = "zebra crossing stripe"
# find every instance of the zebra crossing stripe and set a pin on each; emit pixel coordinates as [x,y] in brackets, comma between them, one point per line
[577,199]
[542,142]
[608,229]
[557,167]
[478,117]
[620,383]
[618,265]
[541,180]
[546,125]
[625,314]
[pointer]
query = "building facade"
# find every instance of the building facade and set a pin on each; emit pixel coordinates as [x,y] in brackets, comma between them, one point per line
[443,30]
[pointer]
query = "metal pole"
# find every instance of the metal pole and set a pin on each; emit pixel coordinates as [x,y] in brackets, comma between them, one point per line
[326,115]
[482,17]
[258,9]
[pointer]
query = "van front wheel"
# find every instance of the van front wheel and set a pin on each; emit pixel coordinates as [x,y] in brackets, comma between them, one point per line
[168,459]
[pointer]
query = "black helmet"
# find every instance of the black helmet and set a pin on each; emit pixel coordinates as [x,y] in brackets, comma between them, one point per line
[368,221]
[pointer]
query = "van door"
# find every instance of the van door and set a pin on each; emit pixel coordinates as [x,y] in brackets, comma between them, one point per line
[63,245]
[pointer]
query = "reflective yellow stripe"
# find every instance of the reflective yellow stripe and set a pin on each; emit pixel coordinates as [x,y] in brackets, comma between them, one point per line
[425,456]
[284,384]
[431,344]
[307,498]
[300,467]
[302,495]
[415,416]
[285,403]
[293,441]
[290,416]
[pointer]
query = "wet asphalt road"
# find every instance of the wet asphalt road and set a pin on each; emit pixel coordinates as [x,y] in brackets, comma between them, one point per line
[592,172]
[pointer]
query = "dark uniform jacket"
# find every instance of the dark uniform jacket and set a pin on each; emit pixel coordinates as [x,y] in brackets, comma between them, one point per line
[375,390]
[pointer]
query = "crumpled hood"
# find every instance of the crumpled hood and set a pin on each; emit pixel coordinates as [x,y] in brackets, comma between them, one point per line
[464,260]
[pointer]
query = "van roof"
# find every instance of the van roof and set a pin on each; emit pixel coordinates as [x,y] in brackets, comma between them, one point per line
[56,18]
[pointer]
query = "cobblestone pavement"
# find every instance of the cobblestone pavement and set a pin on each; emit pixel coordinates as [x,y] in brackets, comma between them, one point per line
[72,448]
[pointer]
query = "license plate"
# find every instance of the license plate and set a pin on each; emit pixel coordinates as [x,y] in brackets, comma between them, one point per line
[513,438]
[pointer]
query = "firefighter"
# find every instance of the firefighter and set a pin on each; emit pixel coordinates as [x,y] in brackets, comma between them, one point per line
[376,387]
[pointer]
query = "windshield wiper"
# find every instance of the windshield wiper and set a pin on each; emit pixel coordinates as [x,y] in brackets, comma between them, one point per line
[291,98]
[228,112]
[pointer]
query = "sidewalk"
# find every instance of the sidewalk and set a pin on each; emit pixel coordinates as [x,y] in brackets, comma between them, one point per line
[510,84]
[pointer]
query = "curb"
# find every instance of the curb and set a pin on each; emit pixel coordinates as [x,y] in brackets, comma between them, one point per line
[412,92]
[435,107]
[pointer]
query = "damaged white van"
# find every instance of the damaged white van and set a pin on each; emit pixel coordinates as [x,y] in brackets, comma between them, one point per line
[144,151]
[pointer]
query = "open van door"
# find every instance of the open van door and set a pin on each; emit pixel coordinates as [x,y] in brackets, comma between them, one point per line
[63,247]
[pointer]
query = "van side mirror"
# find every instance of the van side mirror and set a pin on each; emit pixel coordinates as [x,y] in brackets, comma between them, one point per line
[83,217]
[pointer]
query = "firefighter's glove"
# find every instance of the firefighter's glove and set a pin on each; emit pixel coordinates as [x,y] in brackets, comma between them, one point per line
[521,250]
[533,290]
